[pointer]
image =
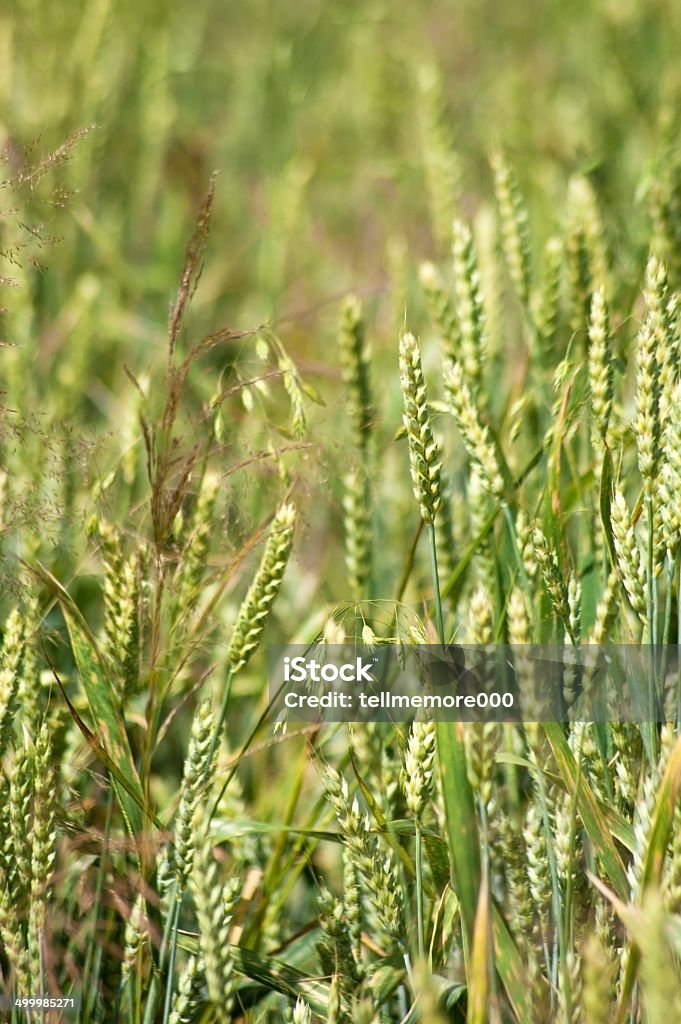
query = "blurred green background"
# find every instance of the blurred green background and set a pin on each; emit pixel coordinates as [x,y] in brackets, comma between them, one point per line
[341,134]
[312,115]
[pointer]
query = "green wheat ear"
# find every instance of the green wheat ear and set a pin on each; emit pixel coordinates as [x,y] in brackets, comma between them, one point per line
[263,591]
[357,521]
[669,484]
[547,295]
[629,562]
[10,656]
[355,366]
[188,994]
[470,310]
[440,160]
[440,308]
[301,1012]
[419,758]
[600,363]
[514,229]
[197,770]
[215,902]
[44,842]
[474,433]
[646,423]
[423,450]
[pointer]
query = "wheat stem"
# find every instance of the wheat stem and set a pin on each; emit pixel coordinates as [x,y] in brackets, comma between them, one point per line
[222,715]
[418,858]
[436,584]
[89,982]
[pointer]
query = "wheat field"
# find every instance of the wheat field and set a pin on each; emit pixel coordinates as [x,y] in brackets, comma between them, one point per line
[328,324]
